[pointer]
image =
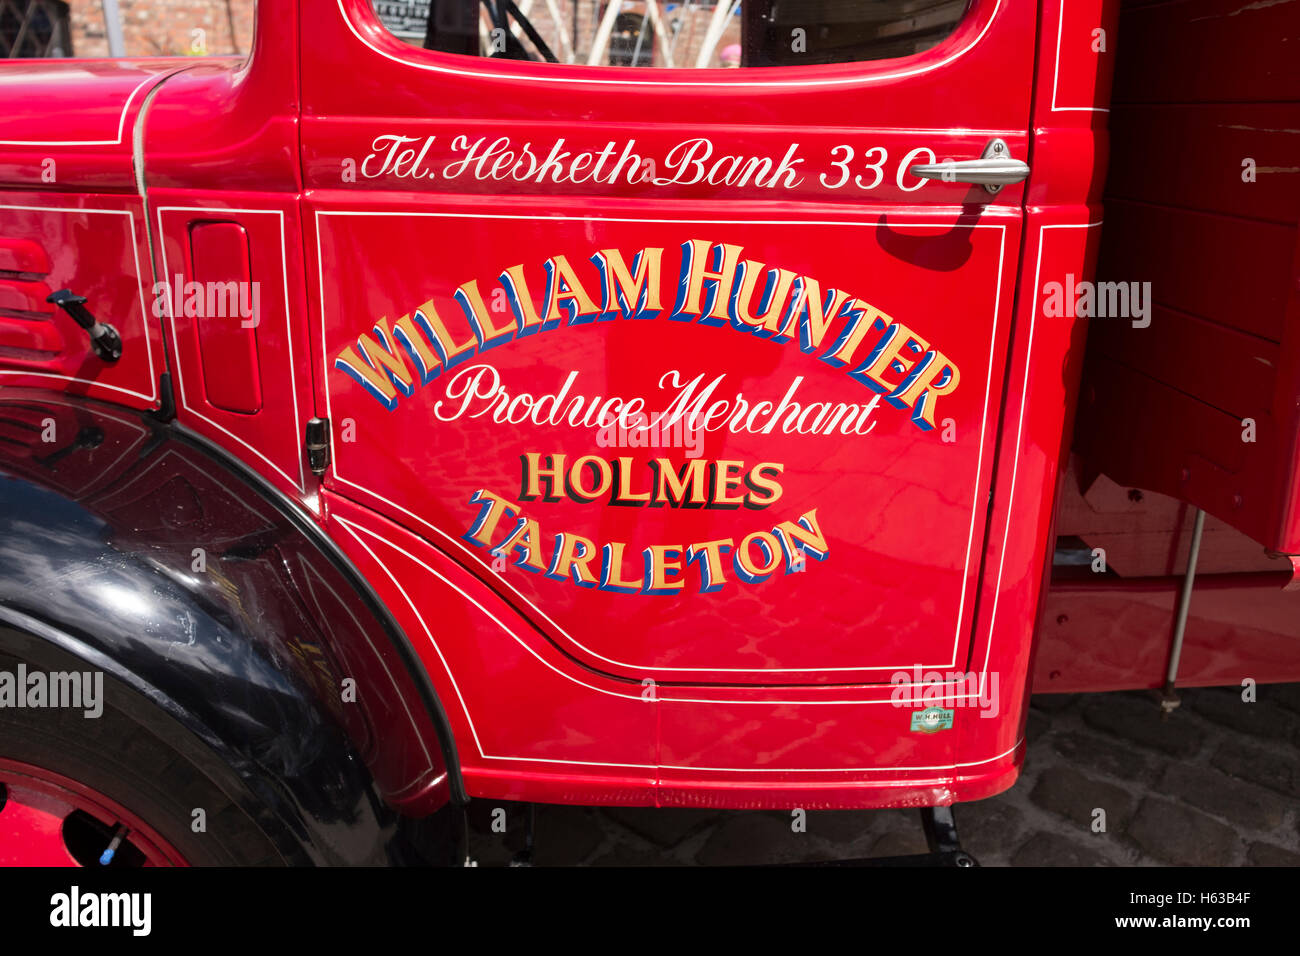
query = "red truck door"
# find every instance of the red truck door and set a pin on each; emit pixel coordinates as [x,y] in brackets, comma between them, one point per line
[514,264]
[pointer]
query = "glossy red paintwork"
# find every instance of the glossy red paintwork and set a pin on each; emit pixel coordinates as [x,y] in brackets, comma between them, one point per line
[96,246]
[902,502]
[796,688]
[67,124]
[271,437]
[232,374]
[908,589]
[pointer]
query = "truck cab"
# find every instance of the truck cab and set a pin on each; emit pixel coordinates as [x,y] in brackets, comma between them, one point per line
[637,403]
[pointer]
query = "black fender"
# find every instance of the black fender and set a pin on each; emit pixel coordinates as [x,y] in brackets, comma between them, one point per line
[135,547]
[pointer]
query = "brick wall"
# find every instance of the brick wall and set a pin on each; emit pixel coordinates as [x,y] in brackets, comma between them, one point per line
[165,27]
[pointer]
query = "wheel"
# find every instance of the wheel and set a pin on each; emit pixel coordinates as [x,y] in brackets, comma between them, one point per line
[109,791]
[48,820]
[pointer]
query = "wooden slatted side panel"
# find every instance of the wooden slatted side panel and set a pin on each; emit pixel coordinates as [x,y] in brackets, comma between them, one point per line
[1186,254]
[1208,51]
[1193,156]
[1199,398]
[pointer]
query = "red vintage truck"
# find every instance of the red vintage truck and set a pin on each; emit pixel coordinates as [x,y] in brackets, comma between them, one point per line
[709,404]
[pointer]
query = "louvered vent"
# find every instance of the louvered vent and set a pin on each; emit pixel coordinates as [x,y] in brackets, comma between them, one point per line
[29,337]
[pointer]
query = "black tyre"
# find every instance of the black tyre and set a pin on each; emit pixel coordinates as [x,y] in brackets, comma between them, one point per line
[115,774]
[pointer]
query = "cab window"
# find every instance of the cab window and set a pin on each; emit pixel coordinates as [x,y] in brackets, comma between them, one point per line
[648,33]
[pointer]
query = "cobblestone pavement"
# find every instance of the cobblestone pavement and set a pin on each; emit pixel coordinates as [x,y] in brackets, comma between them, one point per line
[1216,784]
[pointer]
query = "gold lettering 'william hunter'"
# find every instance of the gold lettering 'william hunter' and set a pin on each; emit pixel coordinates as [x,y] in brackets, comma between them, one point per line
[715,285]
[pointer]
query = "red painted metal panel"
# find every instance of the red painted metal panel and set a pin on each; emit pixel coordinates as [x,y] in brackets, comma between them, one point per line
[271,438]
[23,256]
[564,734]
[65,124]
[24,299]
[29,344]
[222,145]
[95,246]
[227,333]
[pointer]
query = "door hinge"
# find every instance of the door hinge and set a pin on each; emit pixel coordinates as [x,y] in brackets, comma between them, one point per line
[318,445]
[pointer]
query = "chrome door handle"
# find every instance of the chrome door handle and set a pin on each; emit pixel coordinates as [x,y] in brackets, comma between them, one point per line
[994,169]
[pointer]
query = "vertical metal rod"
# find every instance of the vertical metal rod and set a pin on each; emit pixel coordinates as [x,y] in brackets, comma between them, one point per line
[464,836]
[1184,602]
[640,38]
[113,28]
